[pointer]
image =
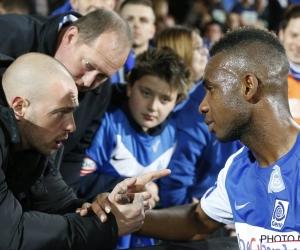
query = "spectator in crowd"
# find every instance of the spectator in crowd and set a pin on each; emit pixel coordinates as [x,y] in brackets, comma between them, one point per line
[253,13]
[218,11]
[289,33]
[163,19]
[84,7]
[246,9]
[35,119]
[233,20]
[136,135]
[188,44]
[212,32]
[140,17]
[14,6]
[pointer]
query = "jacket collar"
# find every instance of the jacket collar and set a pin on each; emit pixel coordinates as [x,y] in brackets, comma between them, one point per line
[7,117]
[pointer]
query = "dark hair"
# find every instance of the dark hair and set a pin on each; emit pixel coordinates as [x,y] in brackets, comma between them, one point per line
[100,21]
[256,50]
[210,23]
[165,64]
[246,36]
[136,2]
[292,11]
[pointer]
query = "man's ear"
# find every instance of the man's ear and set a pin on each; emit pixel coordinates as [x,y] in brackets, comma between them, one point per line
[70,36]
[128,89]
[19,105]
[250,87]
[153,31]
[281,34]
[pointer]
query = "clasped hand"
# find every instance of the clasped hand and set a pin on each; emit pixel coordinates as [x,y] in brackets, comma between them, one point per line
[128,201]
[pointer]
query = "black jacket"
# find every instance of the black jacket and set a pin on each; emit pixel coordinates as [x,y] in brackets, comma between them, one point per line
[21,34]
[31,230]
[30,182]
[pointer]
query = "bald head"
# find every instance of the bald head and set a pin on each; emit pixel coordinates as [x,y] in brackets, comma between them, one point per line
[33,75]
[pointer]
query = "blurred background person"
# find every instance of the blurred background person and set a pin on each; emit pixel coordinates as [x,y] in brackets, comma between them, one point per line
[232,21]
[85,6]
[212,32]
[163,17]
[188,44]
[289,34]
[14,6]
[140,16]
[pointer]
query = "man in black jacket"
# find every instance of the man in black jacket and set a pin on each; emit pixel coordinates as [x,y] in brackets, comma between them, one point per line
[36,115]
[92,48]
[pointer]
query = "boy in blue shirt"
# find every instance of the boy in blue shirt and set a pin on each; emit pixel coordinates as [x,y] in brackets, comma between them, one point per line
[136,135]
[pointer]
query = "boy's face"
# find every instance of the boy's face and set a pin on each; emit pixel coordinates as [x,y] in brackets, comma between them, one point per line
[151,100]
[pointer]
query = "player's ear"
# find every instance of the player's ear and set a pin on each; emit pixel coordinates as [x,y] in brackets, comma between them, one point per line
[250,86]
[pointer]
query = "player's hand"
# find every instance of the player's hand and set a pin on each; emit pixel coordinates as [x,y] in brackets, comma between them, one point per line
[128,210]
[153,190]
[125,192]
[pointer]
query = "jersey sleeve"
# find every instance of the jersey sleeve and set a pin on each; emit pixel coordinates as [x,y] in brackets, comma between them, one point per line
[215,202]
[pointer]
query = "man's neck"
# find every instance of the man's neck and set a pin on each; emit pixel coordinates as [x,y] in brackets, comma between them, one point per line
[140,49]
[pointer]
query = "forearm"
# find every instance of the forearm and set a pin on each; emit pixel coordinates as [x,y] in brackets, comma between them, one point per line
[178,223]
[59,198]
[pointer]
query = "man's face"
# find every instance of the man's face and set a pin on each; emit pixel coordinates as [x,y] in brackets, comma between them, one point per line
[86,6]
[199,59]
[213,32]
[2,10]
[90,65]
[224,108]
[141,21]
[291,40]
[48,119]
[151,100]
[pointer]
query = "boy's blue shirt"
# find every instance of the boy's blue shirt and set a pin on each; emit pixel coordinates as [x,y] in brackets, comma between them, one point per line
[121,148]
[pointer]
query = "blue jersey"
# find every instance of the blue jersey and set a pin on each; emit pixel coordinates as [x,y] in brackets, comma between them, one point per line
[198,157]
[119,150]
[262,203]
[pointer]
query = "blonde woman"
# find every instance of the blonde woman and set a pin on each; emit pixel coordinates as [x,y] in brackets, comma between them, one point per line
[188,44]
